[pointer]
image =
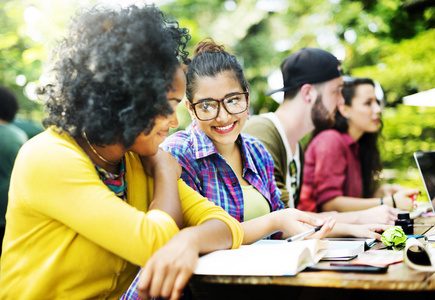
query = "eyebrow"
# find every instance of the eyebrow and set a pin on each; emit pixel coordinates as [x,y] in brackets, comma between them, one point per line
[227,95]
[175,99]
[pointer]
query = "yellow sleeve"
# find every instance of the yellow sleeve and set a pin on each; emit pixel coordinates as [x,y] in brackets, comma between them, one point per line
[71,198]
[197,210]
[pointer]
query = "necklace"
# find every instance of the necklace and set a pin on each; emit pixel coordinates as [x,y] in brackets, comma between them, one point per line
[97,154]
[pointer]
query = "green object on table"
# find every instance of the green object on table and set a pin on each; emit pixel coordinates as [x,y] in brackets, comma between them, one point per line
[393,236]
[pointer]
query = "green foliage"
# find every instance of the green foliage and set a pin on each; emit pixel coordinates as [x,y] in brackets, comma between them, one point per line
[407,129]
[404,68]
[391,41]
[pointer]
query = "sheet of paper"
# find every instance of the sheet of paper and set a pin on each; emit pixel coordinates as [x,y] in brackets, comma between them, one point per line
[379,258]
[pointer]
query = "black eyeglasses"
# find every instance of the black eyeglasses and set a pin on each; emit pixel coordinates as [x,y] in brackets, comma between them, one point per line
[208,109]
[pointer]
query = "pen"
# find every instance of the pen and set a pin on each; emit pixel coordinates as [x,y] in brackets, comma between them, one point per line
[302,235]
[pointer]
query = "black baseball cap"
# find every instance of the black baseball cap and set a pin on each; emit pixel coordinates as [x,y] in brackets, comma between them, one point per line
[308,65]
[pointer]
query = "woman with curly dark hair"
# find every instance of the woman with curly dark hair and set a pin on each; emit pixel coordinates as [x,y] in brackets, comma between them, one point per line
[93,198]
[342,164]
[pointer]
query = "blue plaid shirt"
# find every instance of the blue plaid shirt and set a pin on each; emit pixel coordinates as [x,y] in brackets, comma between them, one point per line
[206,171]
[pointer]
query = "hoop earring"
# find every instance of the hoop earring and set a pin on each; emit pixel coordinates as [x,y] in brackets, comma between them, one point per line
[248,115]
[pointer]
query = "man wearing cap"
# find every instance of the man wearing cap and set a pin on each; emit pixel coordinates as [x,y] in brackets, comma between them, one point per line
[312,90]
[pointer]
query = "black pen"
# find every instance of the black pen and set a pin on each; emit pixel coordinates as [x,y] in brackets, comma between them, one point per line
[303,235]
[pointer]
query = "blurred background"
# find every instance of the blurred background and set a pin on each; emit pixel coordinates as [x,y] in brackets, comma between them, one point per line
[391,41]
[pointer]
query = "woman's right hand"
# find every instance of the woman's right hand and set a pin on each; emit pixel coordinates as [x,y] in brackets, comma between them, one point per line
[382,214]
[359,230]
[293,221]
[403,199]
[162,161]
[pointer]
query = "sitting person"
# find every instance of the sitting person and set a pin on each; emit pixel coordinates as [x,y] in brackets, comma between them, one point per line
[312,83]
[92,198]
[341,164]
[12,138]
[233,170]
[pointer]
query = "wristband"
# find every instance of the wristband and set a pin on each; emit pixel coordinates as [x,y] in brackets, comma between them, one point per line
[382,201]
[394,202]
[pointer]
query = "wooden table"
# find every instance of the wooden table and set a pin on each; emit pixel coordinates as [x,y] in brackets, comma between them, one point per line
[399,282]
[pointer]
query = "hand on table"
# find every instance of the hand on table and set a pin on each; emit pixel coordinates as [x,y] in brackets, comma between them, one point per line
[169,269]
[365,230]
[382,214]
[292,221]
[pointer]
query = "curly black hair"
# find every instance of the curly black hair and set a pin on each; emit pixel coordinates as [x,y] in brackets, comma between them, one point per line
[112,72]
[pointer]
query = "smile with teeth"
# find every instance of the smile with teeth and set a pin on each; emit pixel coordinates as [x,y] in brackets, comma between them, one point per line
[225,127]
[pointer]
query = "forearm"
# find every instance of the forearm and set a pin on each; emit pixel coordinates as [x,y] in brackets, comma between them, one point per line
[346,204]
[211,235]
[166,195]
[258,228]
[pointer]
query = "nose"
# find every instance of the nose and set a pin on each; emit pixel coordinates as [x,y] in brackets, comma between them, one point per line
[223,115]
[377,108]
[173,120]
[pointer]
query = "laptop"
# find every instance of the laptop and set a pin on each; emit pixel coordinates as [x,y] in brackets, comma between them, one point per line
[426,165]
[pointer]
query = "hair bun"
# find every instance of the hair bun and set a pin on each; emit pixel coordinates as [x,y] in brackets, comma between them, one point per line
[208,45]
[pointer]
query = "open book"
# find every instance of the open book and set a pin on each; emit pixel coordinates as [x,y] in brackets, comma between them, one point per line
[268,258]
[418,256]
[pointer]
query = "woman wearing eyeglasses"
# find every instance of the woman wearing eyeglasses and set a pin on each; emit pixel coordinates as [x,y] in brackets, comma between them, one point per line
[233,170]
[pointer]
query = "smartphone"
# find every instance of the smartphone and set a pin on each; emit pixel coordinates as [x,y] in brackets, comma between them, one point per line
[348,268]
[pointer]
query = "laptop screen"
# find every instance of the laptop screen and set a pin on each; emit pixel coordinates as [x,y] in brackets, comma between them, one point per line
[426,165]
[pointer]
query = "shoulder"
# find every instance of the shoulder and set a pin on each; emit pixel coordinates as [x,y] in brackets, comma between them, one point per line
[258,123]
[329,142]
[180,139]
[255,147]
[180,145]
[48,149]
[263,129]
[12,134]
[327,136]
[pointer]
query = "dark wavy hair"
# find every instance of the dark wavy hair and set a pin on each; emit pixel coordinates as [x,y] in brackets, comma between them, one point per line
[210,60]
[112,72]
[369,156]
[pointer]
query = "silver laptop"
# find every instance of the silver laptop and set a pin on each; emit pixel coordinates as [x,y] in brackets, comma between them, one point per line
[426,165]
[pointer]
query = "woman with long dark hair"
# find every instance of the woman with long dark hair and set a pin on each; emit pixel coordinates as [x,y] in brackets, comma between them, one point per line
[342,165]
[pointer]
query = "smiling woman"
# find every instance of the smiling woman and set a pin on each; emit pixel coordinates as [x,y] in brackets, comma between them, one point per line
[232,169]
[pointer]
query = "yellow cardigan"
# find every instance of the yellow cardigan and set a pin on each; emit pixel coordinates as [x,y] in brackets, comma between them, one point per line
[69,237]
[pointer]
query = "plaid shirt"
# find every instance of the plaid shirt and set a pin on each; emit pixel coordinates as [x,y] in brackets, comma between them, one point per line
[206,171]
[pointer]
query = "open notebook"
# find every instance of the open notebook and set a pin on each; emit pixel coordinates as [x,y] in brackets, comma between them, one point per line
[267,258]
[425,161]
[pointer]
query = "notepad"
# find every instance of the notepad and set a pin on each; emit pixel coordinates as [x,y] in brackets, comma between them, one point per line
[344,250]
[267,258]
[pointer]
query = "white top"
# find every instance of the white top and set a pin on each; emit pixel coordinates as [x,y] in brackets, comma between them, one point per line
[273,117]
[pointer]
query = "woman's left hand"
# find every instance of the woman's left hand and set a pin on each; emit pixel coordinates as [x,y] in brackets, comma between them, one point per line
[388,190]
[169,269]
